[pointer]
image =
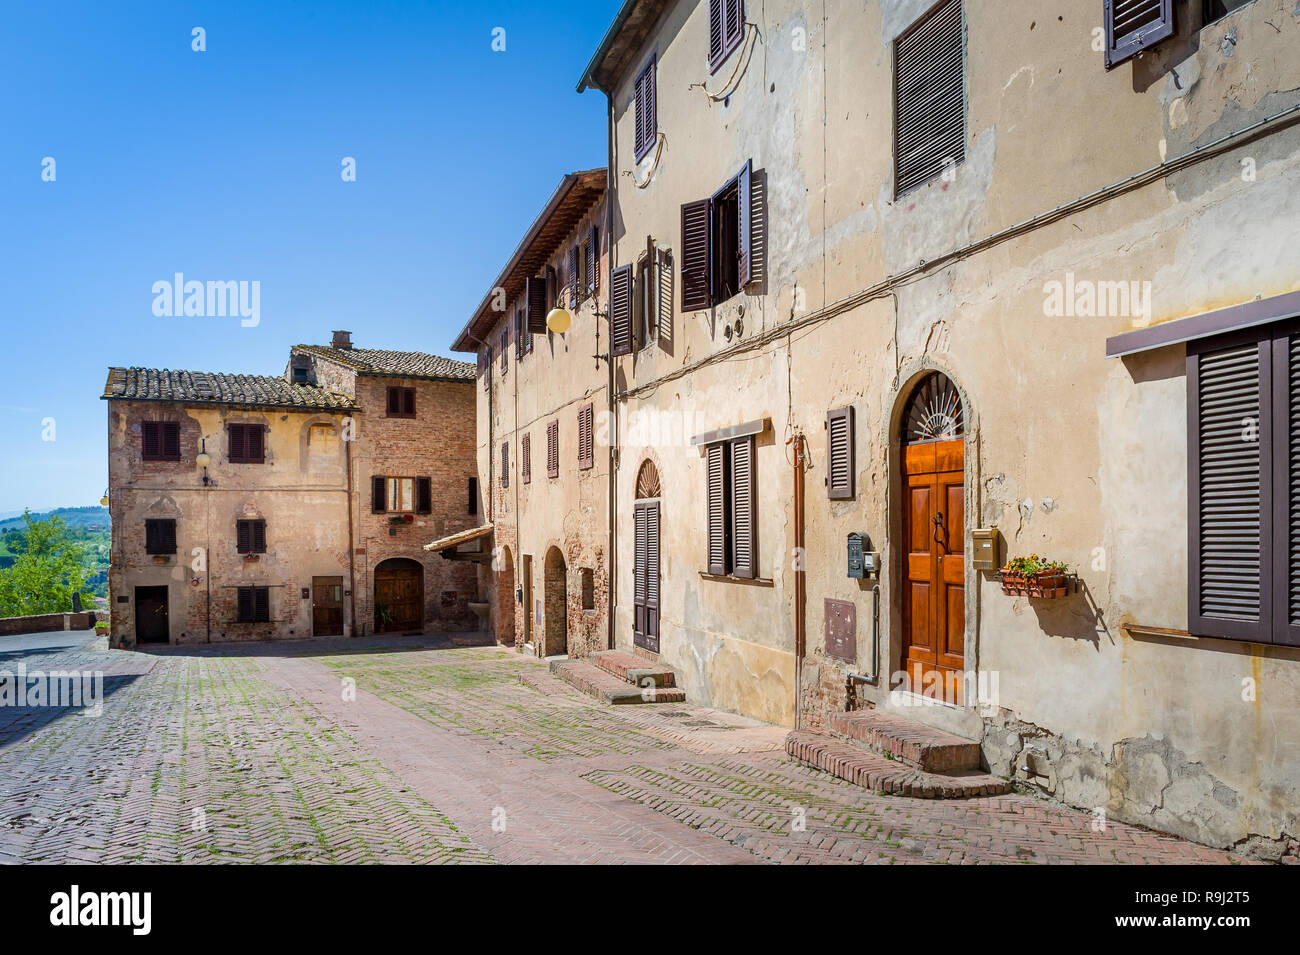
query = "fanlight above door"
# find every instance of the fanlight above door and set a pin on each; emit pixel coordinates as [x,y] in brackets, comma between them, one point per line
[933,411]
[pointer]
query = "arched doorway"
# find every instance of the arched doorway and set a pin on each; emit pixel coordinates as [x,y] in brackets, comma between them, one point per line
[933,572]
[505,593]
[399,596]
[645,563]
[556,609]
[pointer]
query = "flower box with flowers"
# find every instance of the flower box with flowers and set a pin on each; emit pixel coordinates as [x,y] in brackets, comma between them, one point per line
[1034,576]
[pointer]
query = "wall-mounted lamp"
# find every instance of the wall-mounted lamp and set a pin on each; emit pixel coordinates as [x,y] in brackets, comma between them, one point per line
[558,320]
[103,501]
[203,459]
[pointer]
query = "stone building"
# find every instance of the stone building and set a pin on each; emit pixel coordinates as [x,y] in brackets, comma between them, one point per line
[543,397]
[251,507]
[936,285]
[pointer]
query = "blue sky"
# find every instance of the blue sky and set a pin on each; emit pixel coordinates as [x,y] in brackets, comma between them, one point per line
[225,165]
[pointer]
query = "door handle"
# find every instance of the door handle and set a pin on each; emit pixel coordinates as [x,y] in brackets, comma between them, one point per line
[938,527]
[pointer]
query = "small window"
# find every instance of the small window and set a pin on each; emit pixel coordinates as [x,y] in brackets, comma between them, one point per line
[526,459]
[731,513]
[588,589]
[647,123]
[1218,9]
[250,537]
[159,536]
[487,368]
[505,349]
[401,495]
[725,267]
[726,28]
[300,375]
[473,496]
[1132,26]
[505,463]
[723,241]
[401,402]
[553,449]
[247,443]
[254,605]
[160,441]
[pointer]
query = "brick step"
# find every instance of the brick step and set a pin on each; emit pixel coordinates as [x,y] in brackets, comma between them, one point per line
[632,668]
[920,746]
[864,768]
[604,686]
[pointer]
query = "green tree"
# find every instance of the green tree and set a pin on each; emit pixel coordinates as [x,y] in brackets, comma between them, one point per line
[48,571]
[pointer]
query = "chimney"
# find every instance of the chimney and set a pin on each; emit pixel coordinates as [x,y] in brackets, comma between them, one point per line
[342,340]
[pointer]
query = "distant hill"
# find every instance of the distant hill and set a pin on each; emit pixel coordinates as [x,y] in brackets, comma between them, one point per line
[88,527]
[73,516]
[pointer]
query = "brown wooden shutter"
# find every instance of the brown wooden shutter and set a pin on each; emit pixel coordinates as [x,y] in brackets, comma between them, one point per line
[718,547]
[652,576]
[575,275]
[378,494]
[586,449]
[735,23]
[505,463]
[553,449]
[408,401]
[717,31]
[647,124]
[839,454]
[620,310]
[423,495]
[535,297]
[245,609]
[744,532]
[639,563]
[255,443]
[526,459]
[1134,25]
[394,405]
[1228,492]
[593,261]
[151,440]
[1286,485]
[487,368]
[744,244]
[150,537]
[929,97]
[261,604]
[259,537]
[168,541]
[695,255]
[171,440]
[243,537]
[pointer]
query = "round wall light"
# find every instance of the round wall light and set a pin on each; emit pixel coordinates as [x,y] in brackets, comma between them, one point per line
[558,320]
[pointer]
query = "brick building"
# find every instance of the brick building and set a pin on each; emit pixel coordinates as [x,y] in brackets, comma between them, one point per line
[253,507]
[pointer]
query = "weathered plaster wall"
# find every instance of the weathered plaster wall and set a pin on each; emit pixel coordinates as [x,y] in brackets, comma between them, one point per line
[1068,453]
[569,512]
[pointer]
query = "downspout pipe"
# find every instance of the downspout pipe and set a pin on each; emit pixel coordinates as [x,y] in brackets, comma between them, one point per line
[611,182]
[800,582]
[352,549]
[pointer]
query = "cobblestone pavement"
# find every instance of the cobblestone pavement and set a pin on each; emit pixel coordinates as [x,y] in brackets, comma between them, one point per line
[419,750]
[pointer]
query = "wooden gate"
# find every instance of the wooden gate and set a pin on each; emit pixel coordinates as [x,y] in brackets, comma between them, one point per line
[151,615]
[327,606]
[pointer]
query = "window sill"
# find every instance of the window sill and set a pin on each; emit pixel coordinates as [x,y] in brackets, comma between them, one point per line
[731,579]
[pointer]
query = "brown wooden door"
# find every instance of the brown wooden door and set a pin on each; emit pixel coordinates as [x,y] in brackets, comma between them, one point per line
[934,609]
[151,616]
[327,606]
[399,597]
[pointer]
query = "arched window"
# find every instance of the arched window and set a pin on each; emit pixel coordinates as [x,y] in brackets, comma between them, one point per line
[647,481]
[933,411]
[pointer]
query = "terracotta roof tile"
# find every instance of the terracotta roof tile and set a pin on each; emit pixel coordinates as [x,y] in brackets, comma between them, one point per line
[201,387]
[401,364]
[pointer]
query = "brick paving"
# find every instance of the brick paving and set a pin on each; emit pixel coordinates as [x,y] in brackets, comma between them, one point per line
[417,750]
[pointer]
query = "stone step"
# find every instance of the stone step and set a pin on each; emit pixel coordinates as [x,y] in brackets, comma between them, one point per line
[862,767]
[604,686]
[632,668]
[920,746]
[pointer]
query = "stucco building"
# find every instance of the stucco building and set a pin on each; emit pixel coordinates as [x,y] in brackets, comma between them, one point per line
[543,398]
[251,507]
[971,282]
